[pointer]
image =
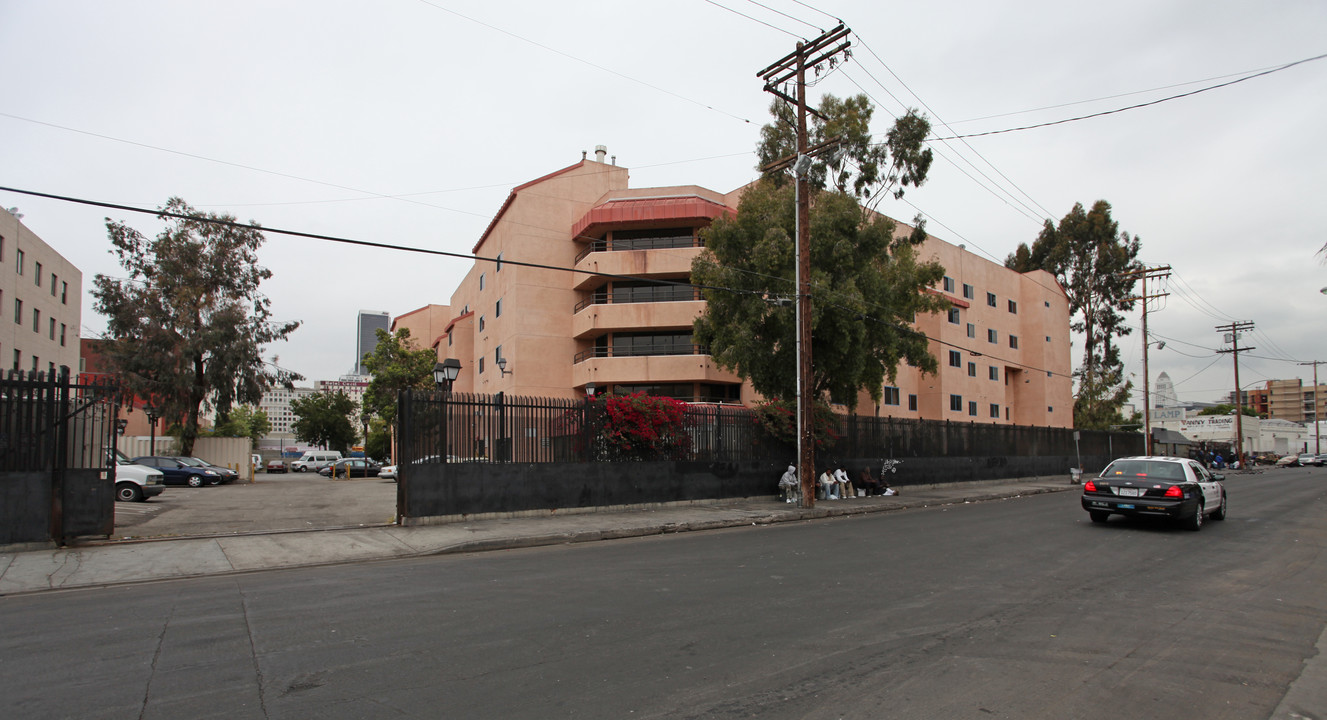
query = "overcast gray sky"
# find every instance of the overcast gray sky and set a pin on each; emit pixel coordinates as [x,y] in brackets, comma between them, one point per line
[409,121]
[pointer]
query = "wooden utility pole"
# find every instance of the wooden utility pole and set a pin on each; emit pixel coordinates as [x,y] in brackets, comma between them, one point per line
[1317,430]
[1234,329]
[793,67]
[1144,273]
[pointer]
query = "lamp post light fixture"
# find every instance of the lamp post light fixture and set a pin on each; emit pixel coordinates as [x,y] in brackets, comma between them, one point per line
[589,389]
[502,365]
[152,416]
[446,372]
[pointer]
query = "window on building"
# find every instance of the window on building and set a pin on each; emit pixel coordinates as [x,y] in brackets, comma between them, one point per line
[1048,338]
[891,396]
[497,268]
[18,356]
[912,403]
[18,311]
[972,408]
[52,328]
[953,315]
[449,338]
[1048,303]
[955,359]
[994,372]
[36,276]
[972,369]
[481,365]
[968,291]
[992,335]
[972,330]
[1013,307]
[1013,341]
[1050,409]
[53,279]
[481,281]
[64,293]
[498,311]
[20,262]
[956,403]
[481,323]
[36,320]
[948,284]
[35,361]
[995,411]
[2,248]
[990,299]
[497,353]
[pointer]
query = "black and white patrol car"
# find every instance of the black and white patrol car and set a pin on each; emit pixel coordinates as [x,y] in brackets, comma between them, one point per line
[1155,486]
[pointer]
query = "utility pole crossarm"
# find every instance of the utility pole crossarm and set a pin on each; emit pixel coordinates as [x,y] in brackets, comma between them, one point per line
[1235,328]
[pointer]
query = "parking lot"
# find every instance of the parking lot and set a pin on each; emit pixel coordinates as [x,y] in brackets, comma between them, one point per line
[295,501]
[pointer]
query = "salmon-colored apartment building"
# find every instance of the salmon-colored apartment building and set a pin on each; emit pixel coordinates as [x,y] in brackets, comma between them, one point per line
[1003,349]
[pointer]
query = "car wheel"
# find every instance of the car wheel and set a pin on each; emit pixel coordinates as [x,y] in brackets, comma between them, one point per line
[1098,516]
[1195,521]
[128,492]
[214,481]
[195,481]
[1220,513]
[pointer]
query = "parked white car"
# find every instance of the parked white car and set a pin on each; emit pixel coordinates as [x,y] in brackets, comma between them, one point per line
[136,483]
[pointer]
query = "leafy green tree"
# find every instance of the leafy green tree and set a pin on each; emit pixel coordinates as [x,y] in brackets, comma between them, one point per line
[1089,256]
[323,418]
[244,421]
[396,364]
[188,324]
[1227,409]
[866,169]
[379,442]
[866,286]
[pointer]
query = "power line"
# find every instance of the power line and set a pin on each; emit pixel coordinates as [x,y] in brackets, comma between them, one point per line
[1139,105]
[1112,97]
[1045,212]
[820,290]
[583,61]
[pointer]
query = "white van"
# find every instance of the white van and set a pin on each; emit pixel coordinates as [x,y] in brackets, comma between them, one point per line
[315,460]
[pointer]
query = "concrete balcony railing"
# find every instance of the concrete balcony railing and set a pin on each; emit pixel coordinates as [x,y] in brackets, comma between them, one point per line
[664,262]
[594,320]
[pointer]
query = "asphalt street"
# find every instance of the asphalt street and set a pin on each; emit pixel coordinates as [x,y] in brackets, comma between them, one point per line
[1018,608]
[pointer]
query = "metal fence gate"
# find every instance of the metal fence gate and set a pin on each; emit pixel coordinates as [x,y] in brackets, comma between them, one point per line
[57,458]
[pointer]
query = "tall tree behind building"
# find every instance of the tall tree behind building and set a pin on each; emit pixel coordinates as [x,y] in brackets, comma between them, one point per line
[1088,254]
[187,327]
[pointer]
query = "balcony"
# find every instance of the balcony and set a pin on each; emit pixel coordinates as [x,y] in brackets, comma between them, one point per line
[641,351]
[688,363]
[636,262]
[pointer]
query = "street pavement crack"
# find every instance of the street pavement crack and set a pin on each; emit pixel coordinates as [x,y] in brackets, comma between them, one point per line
[156,655]
[253,651]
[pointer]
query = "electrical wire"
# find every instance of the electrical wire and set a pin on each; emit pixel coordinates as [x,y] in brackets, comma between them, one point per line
[1137,106]
[1112,97]
[824,292]
[753,19]
[790,17]
[583,61]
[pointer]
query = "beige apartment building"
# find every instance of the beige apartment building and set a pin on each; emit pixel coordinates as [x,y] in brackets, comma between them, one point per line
[41,302]
[1003,350]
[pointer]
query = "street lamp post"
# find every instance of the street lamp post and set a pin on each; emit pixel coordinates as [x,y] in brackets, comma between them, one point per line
[444,374]
[152,416]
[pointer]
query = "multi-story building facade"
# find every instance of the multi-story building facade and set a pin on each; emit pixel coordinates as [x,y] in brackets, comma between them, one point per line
[1003,349]
[366,335]
[276,403]
[41,302]
[427,325]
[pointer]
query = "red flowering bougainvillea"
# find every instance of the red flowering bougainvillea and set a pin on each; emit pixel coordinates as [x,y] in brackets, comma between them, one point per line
[642,427]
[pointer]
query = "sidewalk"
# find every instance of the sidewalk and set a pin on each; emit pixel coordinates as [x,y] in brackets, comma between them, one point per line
[148,560]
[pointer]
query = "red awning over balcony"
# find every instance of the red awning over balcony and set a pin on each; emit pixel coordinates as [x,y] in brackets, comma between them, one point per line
[689,210]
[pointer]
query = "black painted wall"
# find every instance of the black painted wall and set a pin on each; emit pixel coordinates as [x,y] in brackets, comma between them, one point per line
[457,489]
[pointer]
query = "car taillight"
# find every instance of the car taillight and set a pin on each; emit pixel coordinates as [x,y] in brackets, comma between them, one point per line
[1090,487]
[1174,491]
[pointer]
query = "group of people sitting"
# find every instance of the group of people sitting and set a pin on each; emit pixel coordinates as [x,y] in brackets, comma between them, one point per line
[836,485]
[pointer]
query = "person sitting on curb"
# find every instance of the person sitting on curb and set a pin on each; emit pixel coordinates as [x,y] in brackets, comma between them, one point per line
[867,483]
[845,487]
[828,486]
[788,484]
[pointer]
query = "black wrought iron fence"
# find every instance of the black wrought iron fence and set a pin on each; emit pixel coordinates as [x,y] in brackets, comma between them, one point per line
[48,421]
[462,427]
